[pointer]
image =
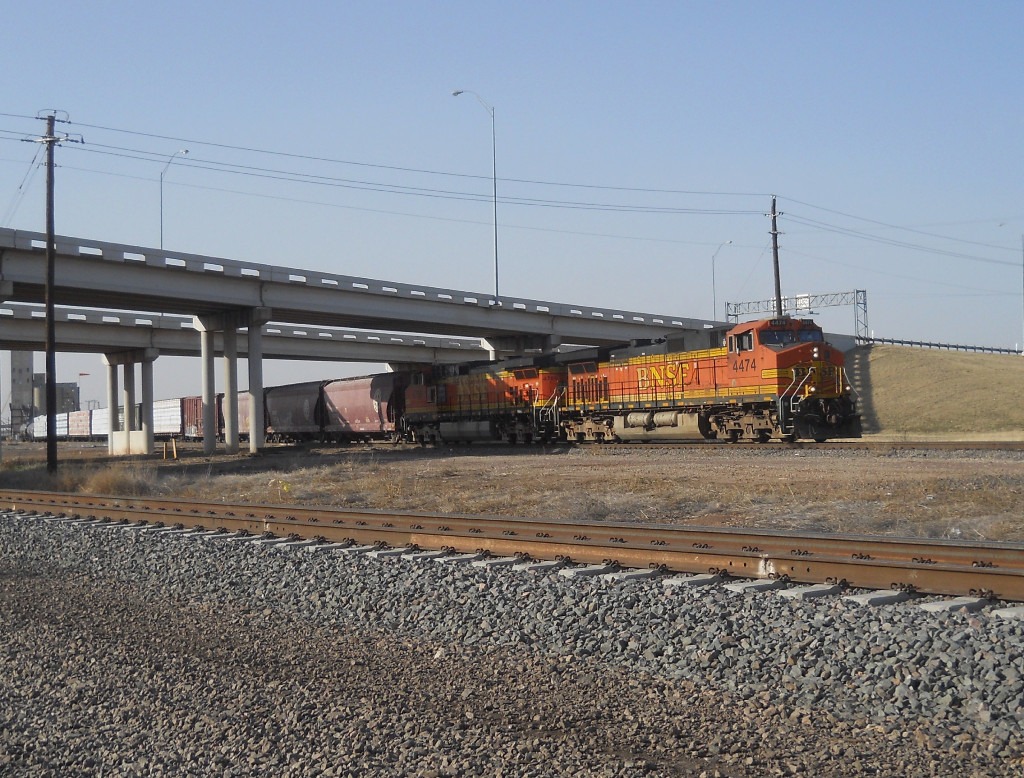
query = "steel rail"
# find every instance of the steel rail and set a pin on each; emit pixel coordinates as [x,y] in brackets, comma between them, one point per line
[926,566]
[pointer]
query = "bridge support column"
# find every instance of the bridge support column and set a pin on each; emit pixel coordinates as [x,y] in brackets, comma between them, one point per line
[112,425]
[129,395]
[133,437]
[147,406]
[255,361]
[209,393]
[229,324]
[231,390]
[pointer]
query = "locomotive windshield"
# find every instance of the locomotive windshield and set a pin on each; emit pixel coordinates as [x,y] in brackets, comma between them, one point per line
[786,337]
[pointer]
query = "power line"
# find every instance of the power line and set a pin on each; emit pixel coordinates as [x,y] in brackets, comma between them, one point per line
[19,194]
[364,209]
[311,158]
[905,229]
[374,186]
[889,274]
[892,241]
[274,174]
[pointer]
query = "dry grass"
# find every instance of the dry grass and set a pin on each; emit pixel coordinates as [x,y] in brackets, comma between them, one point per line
[911,394]
[976,494]
[942,494]
[917,394]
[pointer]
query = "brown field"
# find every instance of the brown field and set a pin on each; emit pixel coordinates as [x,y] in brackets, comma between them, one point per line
[883,488]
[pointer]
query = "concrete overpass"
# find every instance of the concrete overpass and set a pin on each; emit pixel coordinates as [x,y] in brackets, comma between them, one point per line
[82,330]
[120,277]
[226,296]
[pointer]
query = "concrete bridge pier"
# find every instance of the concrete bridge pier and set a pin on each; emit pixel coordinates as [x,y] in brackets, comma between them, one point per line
[209,392]
[130,440]
[255,353]
[228,325]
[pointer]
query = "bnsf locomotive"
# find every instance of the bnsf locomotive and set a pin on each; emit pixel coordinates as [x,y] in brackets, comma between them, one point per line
[773,379]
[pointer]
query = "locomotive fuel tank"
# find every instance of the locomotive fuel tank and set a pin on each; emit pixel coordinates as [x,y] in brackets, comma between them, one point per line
[664,425]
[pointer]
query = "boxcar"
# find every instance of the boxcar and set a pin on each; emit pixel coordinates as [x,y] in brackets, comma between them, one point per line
[168,419]
[192,417]
[98,423]
[79,425]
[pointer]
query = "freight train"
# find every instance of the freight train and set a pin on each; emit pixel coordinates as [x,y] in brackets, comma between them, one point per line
[774,379]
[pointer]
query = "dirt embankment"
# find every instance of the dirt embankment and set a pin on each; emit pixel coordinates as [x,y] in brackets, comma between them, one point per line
[927,394]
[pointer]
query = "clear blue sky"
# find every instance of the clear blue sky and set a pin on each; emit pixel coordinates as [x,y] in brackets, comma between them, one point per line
[632,140]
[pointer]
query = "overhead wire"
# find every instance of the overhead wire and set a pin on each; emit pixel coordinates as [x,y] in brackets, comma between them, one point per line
[364,209]
[19,193]
[333,181]
[860,267]
[848,232]
[402,169]
[275,174]
[898,227]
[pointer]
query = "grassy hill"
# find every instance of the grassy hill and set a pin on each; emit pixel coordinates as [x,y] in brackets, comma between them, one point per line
[917,393]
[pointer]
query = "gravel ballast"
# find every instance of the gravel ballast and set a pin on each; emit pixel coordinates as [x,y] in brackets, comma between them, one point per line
[139,653]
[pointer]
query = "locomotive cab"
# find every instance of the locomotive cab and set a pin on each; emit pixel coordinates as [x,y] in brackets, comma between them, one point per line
[802,374]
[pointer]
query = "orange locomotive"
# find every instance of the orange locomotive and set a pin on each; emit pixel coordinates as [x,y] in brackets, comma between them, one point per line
[467,403]
[774,378]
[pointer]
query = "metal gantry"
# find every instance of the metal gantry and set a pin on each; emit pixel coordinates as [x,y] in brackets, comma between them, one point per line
[804,303]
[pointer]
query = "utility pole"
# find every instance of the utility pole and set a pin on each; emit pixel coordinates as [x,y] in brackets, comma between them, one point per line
[51,337]
[775,261]
[50,139]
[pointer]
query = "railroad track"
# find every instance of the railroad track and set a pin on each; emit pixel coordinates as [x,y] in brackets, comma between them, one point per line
[982,569]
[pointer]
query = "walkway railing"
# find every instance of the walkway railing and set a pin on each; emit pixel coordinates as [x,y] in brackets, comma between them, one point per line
[947,346]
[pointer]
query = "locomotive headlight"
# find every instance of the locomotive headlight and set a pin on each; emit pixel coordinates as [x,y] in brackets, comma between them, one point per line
[815,352]
[812,389]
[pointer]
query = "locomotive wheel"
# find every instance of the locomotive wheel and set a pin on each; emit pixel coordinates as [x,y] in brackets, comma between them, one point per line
[815,433]
[734,436]
[763,436]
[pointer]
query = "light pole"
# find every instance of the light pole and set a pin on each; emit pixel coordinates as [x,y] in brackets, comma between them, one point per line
[494,183]
[714,296]
[170,159]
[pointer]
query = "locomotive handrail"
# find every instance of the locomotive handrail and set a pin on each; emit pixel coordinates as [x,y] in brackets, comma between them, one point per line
[846,382]
[792,399]
[550,406]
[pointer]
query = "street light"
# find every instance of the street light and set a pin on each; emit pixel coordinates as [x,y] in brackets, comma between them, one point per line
[494,183]
[714,297]
[170,159]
